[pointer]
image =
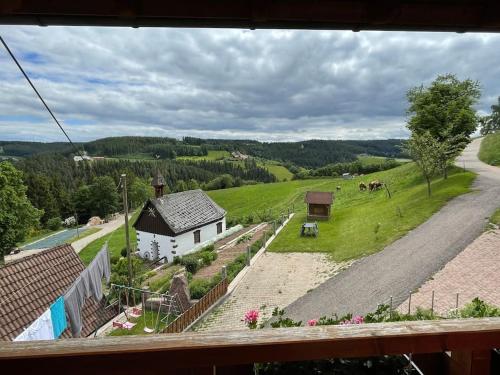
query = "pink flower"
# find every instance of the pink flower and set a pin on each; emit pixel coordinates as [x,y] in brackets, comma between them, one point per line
[312,322]
[358,319]
[251,318]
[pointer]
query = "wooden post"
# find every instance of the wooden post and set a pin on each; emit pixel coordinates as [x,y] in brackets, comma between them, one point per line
[432,303]
[456,305]
[409,304]
[127,236]
[274,227]
[224,272]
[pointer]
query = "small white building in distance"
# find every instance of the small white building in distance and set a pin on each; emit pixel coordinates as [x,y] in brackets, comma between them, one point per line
[176,224]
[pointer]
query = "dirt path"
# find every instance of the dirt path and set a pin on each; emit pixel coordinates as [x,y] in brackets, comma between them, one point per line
[410,261]
[231,252]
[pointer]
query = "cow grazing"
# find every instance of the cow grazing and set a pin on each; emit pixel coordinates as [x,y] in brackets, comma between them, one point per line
[375,185]
[362,186]
[338,188]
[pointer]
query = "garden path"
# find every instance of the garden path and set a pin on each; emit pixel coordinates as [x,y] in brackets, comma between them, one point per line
[227,252]
[410,261]
[275,280]
[473,273]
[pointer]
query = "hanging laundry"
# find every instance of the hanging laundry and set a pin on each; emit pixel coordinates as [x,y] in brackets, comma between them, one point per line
[99,267]
[88,284]
[40,329]
[58,317]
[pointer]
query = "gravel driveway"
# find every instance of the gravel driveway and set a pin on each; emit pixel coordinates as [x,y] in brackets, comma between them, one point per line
[410,261]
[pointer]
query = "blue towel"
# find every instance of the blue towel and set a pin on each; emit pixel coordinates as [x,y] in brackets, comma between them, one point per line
[58,316]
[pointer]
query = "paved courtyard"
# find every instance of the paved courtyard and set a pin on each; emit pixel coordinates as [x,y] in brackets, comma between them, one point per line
[275,280]
[472,273]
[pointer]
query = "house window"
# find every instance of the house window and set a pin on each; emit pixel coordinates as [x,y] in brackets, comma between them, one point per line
[219,228]
[197,236]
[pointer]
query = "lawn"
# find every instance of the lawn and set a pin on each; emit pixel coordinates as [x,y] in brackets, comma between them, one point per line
[116,242]
[362,222]
[490,149]
[138,329]
[495,218]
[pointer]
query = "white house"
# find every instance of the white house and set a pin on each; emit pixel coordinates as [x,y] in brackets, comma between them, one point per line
[176,224]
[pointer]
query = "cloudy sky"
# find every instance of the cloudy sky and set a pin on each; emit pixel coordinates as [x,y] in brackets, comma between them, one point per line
[266,85]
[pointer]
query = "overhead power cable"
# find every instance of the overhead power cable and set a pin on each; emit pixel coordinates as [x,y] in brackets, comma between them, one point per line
[40,97]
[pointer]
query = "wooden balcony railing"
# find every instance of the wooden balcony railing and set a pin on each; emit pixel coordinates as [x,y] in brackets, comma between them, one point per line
[470,341]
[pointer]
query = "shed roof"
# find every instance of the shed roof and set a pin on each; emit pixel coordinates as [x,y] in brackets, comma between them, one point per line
[29,286]
[187,210]
[319,197]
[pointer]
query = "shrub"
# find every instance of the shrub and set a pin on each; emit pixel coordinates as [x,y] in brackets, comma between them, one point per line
[192,265]
[199,287]
[177,260]
[207,258]
[54,223]
[114,259]
[208,248]
[123,252]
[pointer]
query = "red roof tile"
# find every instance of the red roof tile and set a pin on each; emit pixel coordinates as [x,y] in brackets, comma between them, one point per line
[30,285]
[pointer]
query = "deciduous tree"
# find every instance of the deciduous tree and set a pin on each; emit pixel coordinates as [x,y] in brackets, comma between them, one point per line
[425,150]
[17,214]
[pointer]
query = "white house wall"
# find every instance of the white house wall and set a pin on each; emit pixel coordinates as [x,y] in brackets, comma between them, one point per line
[178,245]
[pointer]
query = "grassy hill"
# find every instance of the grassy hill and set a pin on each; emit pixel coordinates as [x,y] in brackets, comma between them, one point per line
[490,149]
[362,222]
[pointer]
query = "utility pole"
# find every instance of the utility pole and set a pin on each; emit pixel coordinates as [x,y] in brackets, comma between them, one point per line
[127,237]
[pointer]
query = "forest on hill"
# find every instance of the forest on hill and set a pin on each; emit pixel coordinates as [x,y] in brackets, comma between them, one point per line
[307,154]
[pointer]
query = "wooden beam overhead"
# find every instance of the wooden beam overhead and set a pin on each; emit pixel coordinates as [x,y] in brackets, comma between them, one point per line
[356,15]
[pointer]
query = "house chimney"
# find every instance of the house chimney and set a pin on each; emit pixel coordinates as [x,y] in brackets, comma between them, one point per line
[158,183]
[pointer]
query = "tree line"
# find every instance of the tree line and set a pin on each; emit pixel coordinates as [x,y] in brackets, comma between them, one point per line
[61,188]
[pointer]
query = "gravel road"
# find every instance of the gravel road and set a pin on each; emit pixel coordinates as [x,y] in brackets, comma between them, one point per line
[407,263]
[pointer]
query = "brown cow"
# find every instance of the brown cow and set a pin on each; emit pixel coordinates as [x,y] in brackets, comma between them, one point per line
[362,186]
[375,185]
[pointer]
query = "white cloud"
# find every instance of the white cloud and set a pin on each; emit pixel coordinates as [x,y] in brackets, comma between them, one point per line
[267,85]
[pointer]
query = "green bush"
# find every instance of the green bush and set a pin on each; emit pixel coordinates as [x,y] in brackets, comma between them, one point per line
[191,263]
[123,252]
[114,259]
[207,258]
[199,287]
[54,223]
[177,260]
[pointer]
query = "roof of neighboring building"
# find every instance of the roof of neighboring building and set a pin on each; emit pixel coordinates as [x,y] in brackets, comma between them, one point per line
[187,210]
[29,286]
[318,197]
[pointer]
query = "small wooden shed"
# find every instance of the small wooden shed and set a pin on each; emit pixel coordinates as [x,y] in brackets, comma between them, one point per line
[319,204]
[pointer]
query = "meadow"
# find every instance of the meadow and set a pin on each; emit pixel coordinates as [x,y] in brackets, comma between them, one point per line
[116,241]
[490,149]
[362,222]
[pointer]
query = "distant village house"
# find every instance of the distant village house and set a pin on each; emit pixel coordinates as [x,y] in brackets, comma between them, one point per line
[176,224]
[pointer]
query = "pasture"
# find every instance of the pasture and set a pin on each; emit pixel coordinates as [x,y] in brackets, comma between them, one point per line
[362,222]
[490,149]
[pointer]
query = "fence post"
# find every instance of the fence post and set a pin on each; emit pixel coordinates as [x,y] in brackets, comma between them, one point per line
[390,309]
[265,239]
[274,227]
[248,255]
[432,303]
[409,304]
[224,272]
[456,306]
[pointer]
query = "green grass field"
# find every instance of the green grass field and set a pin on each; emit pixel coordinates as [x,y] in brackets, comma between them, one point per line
[138,329]
[362,222]
[116,242]
[281,173]
[212,155]
[490,149]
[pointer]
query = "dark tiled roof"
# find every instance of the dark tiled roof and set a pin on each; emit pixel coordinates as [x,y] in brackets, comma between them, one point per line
[188,209]
[318,197]
[30,285]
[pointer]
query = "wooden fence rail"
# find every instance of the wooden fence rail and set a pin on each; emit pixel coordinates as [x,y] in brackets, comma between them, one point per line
[195,311]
